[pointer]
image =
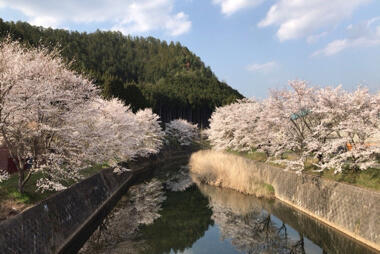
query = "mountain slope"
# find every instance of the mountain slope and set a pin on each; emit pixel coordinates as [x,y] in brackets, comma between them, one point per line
[144,72]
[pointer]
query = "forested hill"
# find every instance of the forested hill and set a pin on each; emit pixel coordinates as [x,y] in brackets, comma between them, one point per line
[144,72]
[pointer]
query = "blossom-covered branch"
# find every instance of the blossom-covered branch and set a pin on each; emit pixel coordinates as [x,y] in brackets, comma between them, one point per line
[54,121]
[181,131]
[329,126]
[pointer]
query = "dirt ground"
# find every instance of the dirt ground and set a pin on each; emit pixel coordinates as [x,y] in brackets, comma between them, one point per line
[10,208]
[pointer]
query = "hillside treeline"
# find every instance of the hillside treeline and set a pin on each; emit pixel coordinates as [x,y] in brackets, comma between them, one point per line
[143,72]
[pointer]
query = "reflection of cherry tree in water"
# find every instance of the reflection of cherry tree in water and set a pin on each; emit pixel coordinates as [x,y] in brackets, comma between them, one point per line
[185,218]
[141,206]
[179,181]
[250,229]
[240,218]
[121,231]
[299,246]
[250,233]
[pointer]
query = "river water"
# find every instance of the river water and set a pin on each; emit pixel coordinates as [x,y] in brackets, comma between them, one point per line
[175,214]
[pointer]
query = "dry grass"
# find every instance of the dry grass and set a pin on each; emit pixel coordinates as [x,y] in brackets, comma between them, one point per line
[9,208]
[230,171]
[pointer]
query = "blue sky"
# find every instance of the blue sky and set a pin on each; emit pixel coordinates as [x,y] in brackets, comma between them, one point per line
[253,45]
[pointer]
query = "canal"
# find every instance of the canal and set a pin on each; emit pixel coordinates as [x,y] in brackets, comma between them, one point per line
[174,213]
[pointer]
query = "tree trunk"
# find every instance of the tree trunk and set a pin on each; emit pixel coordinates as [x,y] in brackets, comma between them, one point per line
[21,183]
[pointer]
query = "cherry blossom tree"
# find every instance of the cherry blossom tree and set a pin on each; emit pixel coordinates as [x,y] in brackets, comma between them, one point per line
[151,133]
[232,127]
[331,126]
[37,91]
[54,121]
[289,118]
[103,131]
[109,133]
[346,123]
[181,131]
[328,124]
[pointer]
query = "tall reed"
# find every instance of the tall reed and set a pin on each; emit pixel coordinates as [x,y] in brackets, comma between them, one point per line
[230,171]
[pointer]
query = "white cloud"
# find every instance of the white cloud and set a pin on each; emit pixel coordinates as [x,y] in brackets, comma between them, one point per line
[179,24]
[315,37]
[129,16]
[365,34]
[332,48]
[45,21]
[231,6]
[302,18]
[263,68]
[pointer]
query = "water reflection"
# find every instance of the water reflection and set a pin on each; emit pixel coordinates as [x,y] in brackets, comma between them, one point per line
[184,219]
[328,239]
[198,218]
[269,226]
[178,180]
[250,229]
[141,206]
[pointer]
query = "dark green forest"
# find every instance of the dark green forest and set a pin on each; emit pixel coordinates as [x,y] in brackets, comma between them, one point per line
[143,72]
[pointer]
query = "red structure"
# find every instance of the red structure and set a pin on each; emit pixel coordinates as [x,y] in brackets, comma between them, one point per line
[6,162]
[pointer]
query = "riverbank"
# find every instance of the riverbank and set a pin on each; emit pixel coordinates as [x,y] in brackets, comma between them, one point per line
[200,218]
[12,202]
[369,178]
[228,171]
[64,221]
[350,209]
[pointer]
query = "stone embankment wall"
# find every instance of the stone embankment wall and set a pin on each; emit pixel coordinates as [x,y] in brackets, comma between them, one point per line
[350,209]
[63,222]
[326,237]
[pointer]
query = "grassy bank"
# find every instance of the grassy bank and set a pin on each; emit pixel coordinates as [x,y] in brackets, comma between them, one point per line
[369,178]
[229,171]
[12,202]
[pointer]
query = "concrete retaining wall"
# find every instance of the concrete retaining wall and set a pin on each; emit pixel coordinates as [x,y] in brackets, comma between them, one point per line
[352,210]
[326,237]
[62,223]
